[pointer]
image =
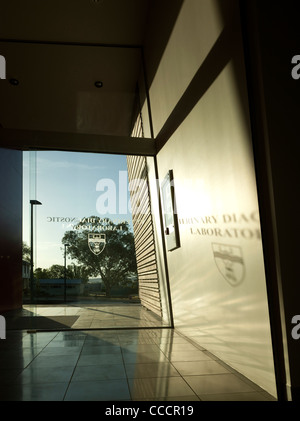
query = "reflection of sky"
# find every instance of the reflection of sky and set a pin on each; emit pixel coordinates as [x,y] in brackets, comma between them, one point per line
[65,183]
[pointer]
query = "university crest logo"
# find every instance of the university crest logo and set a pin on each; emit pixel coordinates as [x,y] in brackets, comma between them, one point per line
[96,243]
[230,262]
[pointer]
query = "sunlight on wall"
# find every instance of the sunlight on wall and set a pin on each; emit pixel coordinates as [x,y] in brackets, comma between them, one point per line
[217,276]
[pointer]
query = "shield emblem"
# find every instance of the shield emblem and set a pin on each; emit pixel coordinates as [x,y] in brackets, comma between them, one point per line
[96,243]
[230,262]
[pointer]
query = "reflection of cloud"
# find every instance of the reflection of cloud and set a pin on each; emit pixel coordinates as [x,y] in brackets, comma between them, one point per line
[50,253]
[47,164]
[42,245]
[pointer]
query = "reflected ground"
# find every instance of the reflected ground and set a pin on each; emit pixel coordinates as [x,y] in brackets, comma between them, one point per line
[112,314]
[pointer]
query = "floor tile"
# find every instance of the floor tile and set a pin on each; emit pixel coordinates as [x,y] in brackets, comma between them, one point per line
[162,369]
[135,341]
[99,350]
[86,360]
[101,390]
[176,340]
[34,392]
[159,388]
[8,376]
[33,374]
[188,356]
[189,398]
[231,397]
[181,347]
[55,361]
[217,383]
[92,341]
[189,368]
[100,372]
[60,351]
[49,392]
[140,348]
[20,353]
[9,362]
[70,335]
[66,343]
[144,358]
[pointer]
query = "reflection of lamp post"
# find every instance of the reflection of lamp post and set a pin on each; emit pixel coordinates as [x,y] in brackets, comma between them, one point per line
[65,278]
[32,203]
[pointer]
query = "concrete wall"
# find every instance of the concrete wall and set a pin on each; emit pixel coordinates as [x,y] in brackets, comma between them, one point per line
[200,117]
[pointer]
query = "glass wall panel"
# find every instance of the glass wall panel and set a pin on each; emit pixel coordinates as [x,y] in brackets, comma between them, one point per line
[78,238]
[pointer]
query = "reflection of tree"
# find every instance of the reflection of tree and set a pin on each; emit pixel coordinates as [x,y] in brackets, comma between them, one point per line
[115,263]
[26,255]
[58,272]
[78,272]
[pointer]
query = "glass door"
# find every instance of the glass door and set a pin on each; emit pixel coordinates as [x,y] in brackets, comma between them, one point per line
[79,245]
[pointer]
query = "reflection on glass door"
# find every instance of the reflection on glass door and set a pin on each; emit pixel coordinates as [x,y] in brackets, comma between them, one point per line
[79,255]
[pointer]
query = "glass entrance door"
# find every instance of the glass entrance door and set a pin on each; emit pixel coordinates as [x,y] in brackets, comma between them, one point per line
[79,244]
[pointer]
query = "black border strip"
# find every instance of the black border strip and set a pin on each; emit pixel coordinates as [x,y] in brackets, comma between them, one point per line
[249,16]
[70,43]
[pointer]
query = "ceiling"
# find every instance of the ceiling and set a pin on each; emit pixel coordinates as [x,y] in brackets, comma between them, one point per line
[56,50]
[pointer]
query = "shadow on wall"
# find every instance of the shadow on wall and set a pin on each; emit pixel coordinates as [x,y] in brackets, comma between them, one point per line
[226,49]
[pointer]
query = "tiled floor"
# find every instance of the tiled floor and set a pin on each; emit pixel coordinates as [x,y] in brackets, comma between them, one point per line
[115,365]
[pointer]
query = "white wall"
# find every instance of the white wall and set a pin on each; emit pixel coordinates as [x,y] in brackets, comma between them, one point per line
[211,156]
